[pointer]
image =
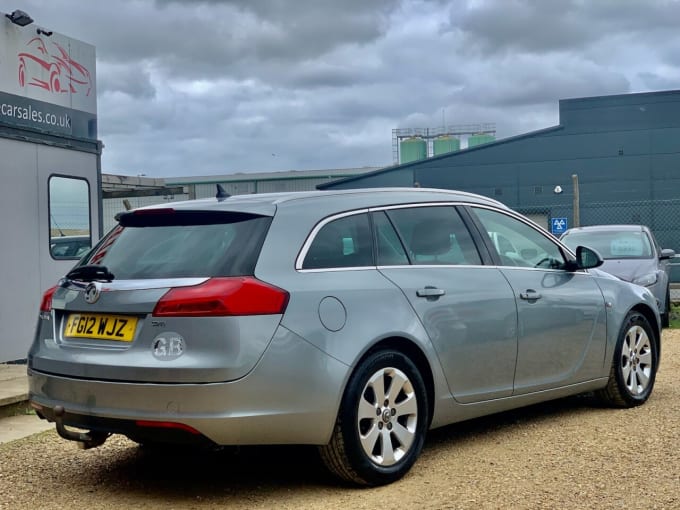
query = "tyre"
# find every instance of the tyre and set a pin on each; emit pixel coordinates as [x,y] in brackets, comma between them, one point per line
[666,314]
[633,370]
[382,421]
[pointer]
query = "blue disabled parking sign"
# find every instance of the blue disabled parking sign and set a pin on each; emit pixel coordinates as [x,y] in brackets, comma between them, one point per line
[558,225]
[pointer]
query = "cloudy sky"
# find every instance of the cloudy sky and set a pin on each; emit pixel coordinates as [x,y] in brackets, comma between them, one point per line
[192,87]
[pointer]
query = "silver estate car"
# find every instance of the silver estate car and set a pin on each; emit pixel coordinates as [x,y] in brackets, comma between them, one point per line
[354,320]
[631,253]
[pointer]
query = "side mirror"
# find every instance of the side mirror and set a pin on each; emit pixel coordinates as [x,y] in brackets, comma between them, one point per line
[587,258]
[667,253]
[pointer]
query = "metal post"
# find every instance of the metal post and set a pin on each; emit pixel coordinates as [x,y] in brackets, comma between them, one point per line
[577,210]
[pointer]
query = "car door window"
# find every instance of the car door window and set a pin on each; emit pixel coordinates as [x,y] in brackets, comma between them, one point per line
[435,236]
[517,243]
[345,242]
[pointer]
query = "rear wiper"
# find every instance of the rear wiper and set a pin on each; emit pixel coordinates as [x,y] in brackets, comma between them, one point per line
[90,273]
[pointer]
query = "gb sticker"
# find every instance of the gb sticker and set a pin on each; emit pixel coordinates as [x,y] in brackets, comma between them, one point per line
[168,346]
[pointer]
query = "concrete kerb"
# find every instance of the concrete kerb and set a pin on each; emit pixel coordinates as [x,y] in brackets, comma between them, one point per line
[16,421]
[13,384]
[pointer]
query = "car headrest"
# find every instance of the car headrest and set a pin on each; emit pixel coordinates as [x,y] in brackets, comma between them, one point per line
[431,238]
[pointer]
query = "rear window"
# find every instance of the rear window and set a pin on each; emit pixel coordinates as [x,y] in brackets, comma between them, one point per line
[182,244]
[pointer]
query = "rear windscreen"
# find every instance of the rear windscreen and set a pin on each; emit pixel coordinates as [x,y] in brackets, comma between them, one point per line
[612,245]
[179,244]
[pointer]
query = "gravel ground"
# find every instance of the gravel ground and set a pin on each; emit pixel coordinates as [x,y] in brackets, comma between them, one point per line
[564,454]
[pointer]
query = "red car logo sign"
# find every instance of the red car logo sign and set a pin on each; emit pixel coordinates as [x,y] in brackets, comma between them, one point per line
[53,71]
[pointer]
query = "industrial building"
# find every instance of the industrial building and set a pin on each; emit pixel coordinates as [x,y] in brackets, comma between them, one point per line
[624,150]
[121,192]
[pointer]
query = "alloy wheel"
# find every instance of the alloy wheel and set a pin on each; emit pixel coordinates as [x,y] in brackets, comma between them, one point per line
[387,416]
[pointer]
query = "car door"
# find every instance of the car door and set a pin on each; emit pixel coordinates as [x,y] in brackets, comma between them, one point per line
[561,313]
[467,309]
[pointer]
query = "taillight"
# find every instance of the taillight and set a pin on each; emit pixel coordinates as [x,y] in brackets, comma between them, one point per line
[221,297]
[46,303]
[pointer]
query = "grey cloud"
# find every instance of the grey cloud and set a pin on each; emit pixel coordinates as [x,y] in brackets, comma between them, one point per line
[199,87]
[549,25]
[209,38]
[315,75]
[654,81]
[523,25]
[131,79]
[532,79]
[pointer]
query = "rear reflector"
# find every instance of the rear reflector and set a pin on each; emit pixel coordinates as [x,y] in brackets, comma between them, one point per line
[234,296]
[46,303]
[166,425]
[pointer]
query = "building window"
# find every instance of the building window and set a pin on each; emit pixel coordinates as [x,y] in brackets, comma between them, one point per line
[70,229]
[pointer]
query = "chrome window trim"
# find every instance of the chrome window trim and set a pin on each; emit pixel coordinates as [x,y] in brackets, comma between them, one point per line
[467,266]
[433,266]
[336,269]
[310,237]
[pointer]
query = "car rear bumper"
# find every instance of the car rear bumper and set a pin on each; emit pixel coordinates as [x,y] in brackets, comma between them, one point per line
[291,397]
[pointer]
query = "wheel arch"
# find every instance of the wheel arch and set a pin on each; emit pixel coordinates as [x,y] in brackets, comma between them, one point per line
[649,314]
[417,356]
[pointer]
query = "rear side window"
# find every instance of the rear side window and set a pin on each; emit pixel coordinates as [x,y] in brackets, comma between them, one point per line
[345,242]
[182,244]
[435,236]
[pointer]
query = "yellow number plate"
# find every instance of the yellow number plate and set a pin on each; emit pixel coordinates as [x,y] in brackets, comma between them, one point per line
[102,326]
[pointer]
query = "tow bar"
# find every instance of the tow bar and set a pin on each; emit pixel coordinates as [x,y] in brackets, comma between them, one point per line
[86,440]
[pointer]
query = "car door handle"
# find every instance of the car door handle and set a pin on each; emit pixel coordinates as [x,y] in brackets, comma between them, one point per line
[530,295]
[430,292]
